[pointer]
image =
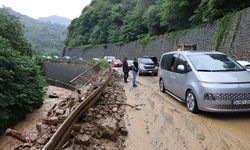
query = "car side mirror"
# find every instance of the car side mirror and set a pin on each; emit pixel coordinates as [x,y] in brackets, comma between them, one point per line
[180,68]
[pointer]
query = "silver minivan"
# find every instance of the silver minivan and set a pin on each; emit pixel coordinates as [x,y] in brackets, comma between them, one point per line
[206,81]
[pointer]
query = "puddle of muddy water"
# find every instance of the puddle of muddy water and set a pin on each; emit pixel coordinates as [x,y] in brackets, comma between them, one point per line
[28,125]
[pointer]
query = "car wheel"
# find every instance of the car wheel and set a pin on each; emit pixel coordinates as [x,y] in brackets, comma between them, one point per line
[161,84]
[191,102]
[156,74]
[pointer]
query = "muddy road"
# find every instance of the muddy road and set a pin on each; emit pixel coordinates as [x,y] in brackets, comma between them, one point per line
[164,123]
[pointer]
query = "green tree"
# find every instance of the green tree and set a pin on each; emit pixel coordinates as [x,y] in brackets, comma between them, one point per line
[209,10]
[12,29]
[21,85]
[151,19]
[113,21]
[175,14]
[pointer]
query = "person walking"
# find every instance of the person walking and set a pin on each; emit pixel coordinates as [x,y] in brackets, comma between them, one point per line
[125,69]
[134,72]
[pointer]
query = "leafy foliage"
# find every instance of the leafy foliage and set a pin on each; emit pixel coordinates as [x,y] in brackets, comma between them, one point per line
[44,37]
[21,85]
[117,21]
[21,82]
[11,29]
[103,64]
[209,10]
[223,24]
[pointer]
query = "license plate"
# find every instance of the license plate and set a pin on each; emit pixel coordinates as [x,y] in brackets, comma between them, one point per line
[241,102]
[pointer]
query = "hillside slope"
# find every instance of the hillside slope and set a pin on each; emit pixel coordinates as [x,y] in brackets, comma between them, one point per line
[117,21]
[43,36]
[55,20]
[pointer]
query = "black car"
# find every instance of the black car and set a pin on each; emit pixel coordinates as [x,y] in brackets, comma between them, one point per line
[147,66]
[153,58]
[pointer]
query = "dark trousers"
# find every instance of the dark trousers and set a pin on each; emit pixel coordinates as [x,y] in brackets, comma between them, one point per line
[125,76]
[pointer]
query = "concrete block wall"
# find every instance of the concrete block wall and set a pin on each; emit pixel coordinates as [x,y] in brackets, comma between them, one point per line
[63,72]
[203,36]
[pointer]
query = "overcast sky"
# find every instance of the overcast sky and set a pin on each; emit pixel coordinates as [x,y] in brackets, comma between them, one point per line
[43,8]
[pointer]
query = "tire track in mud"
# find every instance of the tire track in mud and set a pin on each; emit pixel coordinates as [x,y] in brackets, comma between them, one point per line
[168,124]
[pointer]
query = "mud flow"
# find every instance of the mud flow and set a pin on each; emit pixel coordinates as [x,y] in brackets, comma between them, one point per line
[164,123]
[102,127]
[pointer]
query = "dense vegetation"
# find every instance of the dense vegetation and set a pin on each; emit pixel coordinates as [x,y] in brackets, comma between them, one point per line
[119,21]
[11,28]
[46,38]
[21,82]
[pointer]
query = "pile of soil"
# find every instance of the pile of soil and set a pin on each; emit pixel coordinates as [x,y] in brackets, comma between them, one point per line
[101,128]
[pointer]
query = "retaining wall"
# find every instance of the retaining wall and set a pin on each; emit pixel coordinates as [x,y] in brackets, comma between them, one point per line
[62,71]
[235,42]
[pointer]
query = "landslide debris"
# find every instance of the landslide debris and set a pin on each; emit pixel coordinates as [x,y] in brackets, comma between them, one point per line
[102,127]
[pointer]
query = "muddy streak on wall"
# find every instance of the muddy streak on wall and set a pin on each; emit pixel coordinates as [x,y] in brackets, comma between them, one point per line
[203,36]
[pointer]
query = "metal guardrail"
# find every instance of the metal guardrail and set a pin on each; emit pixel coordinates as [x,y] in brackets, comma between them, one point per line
[85,76]
[57,141]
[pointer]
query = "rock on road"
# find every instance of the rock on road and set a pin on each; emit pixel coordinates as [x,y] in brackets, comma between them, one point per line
[164,123]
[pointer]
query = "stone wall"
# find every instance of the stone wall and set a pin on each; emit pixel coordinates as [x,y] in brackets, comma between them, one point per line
[203,36]
[63,72]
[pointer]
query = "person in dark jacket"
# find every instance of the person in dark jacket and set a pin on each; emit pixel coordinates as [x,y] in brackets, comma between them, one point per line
[125,69]
[134,72]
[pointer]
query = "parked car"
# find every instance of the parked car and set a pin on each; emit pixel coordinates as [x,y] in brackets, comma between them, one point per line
[154,59]
[66,57]
[207,81]
[109,58]
[79,59]
[55,57]
[75,57]
[116,63]
[146,65]
[96,59]
[245,64]
[130,64]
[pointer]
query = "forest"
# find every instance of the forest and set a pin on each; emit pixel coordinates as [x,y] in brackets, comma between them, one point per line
[21,81]
[45,38]
[121,21]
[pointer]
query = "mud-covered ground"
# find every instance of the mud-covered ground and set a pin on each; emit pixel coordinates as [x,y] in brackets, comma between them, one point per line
[28,125]
[101,128]
[158,122]
[164,123]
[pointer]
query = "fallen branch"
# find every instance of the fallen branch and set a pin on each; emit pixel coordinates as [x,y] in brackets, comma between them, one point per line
[15,134]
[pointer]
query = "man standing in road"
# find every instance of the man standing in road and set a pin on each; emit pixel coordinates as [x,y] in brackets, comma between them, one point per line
[134,72]
[125,69]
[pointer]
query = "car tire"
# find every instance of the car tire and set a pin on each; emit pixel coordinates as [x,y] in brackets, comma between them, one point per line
[162,87]
[191,102]
[155,74]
